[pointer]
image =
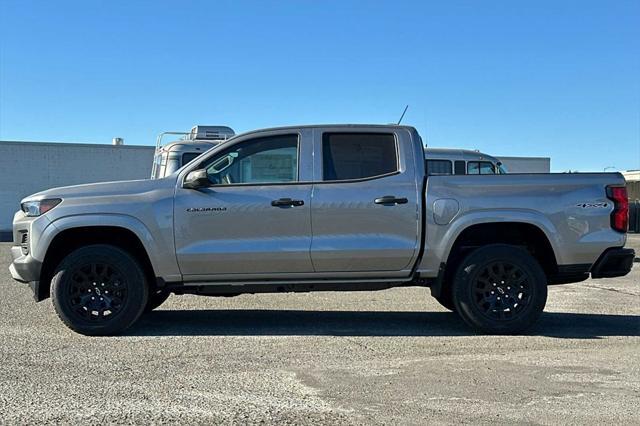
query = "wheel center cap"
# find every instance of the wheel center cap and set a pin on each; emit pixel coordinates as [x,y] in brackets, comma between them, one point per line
[98,291]
[500,290]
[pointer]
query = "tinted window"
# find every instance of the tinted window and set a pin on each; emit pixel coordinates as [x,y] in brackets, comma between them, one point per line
[358,155]
[438,167]
[460,167]
[480,168]
[271,159]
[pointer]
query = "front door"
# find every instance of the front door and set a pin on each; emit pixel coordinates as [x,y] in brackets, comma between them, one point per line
[254,218]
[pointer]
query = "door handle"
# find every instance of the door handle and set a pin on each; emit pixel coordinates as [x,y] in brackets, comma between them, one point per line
[390,199]
[287,202]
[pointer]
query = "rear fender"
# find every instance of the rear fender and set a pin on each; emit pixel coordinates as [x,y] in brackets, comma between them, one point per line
[440,239]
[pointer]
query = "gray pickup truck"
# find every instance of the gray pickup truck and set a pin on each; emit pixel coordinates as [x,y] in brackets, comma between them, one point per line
[320,208]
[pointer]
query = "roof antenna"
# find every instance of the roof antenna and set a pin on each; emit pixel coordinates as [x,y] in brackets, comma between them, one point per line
[403,113]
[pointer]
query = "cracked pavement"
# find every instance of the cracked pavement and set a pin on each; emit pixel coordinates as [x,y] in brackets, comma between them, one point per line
[386,357]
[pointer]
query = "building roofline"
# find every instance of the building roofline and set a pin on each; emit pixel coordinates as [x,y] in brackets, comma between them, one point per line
[78,144]
[522,156]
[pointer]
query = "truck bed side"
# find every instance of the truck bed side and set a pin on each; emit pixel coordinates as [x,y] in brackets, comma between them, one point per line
[572,210]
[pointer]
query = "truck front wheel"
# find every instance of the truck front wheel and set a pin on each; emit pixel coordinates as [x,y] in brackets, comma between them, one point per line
[499,289]
[99,290]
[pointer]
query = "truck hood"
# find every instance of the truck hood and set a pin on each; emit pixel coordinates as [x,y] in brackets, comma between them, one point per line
[118,188]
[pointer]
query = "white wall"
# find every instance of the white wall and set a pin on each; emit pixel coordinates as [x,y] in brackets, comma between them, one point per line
[29,167]
[526,164]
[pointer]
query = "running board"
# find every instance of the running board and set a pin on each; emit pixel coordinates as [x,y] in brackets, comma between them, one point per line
[243,287]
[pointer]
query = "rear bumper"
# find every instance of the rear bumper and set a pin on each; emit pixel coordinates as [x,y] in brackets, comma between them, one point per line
[614,262]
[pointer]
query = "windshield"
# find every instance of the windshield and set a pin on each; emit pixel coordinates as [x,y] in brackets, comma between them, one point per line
[502,170]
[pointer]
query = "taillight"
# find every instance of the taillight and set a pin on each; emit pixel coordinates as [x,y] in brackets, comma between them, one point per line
[620,213]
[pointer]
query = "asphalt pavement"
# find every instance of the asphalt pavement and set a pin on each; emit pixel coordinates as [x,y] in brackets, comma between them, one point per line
[386,357]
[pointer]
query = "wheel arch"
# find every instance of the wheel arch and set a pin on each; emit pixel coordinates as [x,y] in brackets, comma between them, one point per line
[70,238]
[530,236]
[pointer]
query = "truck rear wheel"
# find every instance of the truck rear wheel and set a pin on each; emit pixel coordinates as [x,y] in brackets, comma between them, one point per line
[99,290]
[499,289]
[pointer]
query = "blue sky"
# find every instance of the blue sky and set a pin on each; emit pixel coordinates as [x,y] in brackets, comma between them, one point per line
[539,78]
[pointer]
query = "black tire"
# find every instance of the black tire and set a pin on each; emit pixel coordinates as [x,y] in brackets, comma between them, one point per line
[99,290]
[156,298]
[499,289]
[446,298]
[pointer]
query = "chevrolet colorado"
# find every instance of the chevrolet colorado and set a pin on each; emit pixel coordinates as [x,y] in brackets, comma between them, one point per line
[320,208]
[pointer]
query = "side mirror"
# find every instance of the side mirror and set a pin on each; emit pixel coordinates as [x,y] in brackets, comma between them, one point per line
[196,179]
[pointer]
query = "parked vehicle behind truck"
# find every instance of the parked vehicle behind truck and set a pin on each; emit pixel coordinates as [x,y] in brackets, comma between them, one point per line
[452,161]
[171,156]
[319,208]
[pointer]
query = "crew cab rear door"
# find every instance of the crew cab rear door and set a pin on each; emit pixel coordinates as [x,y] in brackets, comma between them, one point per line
[366,200]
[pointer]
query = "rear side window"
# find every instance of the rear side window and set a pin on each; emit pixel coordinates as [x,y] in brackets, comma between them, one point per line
[460,167]
[480,168]
[438,167]
[347,156]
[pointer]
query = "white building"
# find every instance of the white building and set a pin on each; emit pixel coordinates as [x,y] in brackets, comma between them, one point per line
[29,167]
[526,164]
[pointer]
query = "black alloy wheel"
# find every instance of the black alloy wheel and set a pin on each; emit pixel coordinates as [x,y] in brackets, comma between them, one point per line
[99,290]
[499,289]
[502,291]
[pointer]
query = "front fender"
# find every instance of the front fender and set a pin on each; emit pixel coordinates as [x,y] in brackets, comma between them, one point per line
[161,253]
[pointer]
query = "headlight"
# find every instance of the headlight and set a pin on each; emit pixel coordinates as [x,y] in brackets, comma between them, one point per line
[37,208]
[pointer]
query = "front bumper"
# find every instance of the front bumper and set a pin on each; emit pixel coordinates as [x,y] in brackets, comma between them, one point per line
[614,262]
[26,269]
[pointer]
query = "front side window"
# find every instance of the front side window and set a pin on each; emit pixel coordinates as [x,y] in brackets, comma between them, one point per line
[348,156]
[272,159]
[480,168]
[438,167]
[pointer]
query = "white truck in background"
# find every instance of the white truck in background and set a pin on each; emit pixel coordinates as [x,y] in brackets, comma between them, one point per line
[175,154]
